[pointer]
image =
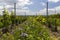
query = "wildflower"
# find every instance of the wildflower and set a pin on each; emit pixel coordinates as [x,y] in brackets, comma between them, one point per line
[24,35]
[19,29]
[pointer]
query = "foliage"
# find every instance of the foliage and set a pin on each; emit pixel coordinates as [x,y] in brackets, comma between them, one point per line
[6,18]
[7,36]
[26,27]
[31,30]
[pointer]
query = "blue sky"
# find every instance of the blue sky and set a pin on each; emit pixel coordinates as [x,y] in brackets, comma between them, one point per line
[31,6]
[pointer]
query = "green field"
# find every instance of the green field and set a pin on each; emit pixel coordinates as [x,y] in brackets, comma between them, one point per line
[14,27]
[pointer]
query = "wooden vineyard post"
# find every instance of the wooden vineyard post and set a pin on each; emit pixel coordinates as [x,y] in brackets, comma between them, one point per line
[14,8]
[47,13]
[14,14]
[47,22]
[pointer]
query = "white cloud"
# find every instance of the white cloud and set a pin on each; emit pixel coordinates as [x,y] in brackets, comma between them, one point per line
[42,3]
[54,1]
[26,8]
[25,12]
[42,12]
[8,6]
[50,11]
[20,4]
[1,0]
[57,9]
[1,7]
[24,2]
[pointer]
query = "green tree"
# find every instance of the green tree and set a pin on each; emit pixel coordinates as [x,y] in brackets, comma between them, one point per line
[6,18]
